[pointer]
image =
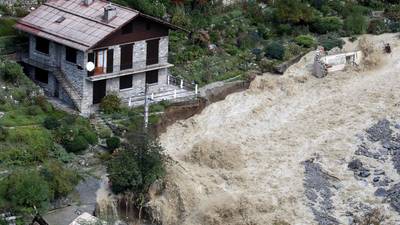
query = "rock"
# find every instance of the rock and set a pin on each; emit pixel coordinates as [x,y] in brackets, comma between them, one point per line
[380,192]
[379,172]
[364,173]
[355,164]
[380,131]
[376,179]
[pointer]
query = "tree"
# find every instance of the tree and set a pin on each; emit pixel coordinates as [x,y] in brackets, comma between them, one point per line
[136,168]
[355,24]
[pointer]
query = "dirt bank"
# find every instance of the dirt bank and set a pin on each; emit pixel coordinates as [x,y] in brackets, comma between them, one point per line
[280,150]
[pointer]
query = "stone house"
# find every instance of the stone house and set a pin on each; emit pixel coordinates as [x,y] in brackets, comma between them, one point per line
[81,50]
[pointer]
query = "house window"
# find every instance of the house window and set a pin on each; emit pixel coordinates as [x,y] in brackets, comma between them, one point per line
[152,51]
[128,28]
[152,77]
[126,56]
[42,45]
[100,61]
[41,75]
[70,54]
[125,82]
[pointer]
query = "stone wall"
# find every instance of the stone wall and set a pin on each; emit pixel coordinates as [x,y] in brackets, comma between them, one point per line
[75,72]
[49,59]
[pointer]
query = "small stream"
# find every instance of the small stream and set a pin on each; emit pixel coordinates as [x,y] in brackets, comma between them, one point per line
[115,209]
[95,197]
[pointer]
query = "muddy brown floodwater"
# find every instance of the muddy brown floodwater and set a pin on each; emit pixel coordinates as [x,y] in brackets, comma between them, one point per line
[279,152]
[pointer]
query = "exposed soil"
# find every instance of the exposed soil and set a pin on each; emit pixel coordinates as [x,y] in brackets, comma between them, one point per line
[280,150]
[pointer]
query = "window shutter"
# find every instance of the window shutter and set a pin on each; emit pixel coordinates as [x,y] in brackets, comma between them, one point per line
[91,59]
[110,60]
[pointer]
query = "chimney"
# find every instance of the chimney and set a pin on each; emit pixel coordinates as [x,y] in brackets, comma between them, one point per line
[88,2]
[109,12]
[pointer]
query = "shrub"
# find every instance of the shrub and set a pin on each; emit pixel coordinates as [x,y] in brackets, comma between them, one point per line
[355,24]
[26,189]
[267,65]
[113,143]
[11,72]
[3,133]
[51,123]
[33,142]
[327,24]
[77,145]
[275,50]
[90,136]
[179,17]
[331,41]
[377,27]
[104,132]
[42,102]
[305,41]
[33,110]
[61,180]
[110,104]
[393,12]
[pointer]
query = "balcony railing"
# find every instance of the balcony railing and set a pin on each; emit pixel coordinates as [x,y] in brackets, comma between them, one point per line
[127,68]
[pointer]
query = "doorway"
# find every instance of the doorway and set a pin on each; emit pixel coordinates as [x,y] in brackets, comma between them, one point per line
[99,90]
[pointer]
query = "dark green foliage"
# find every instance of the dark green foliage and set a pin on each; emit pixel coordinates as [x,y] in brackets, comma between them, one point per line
[113,143]
[11,72]
[377,27]
[151,7]
[275,50]
[331,41]
[51,123]
[3,133]
[111,103]
[306,41]
[26,146]
[393,12]
[76,145]
[61,181]
[180,18]
[26,189]
[90,136]
[355,24]
[42,102]
[293,11]
[137,167]
[6,26]
[33,110]
[327,24]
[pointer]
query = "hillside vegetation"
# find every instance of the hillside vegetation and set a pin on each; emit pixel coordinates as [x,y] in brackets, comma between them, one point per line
[228,40]
[36,144]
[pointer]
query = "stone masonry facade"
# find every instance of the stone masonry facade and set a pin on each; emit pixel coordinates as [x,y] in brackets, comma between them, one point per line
[77,76]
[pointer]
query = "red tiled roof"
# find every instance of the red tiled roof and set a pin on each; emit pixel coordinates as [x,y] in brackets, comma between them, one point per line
[82,27]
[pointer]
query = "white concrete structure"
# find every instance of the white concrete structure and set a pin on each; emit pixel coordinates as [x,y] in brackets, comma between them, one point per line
[324,64]
[87,219]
